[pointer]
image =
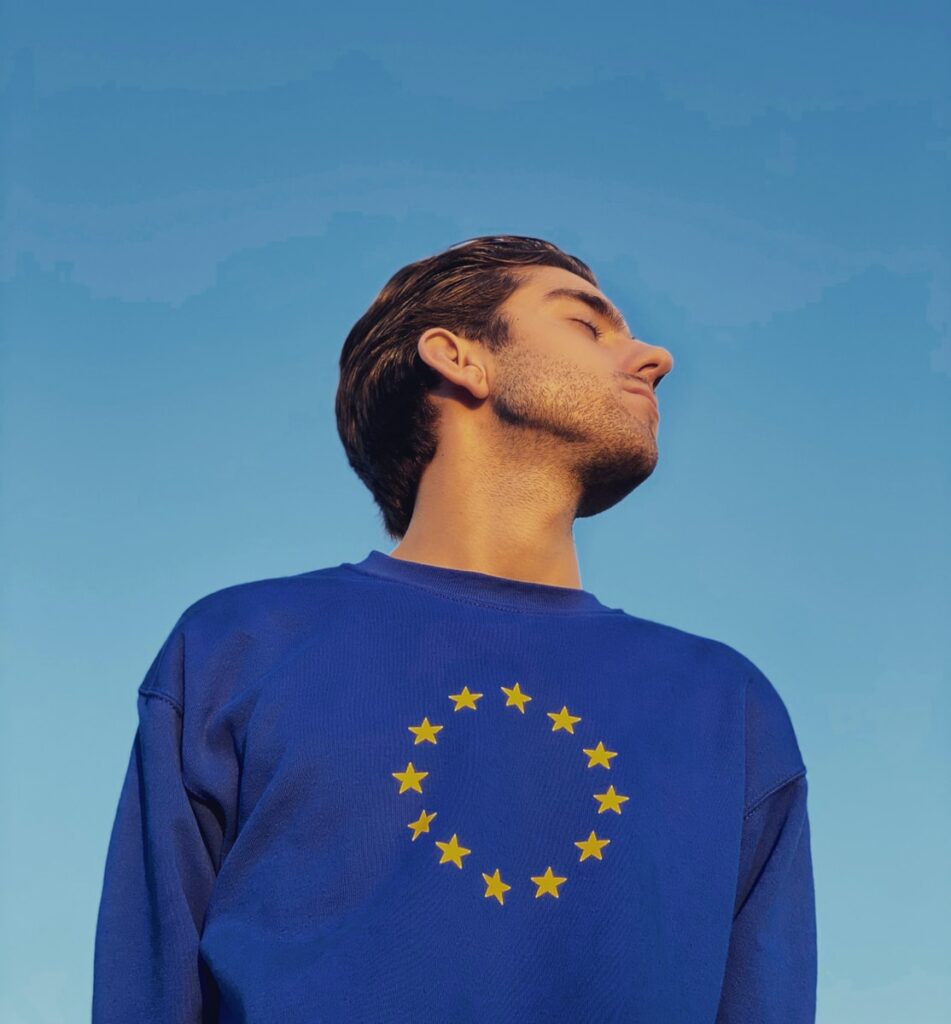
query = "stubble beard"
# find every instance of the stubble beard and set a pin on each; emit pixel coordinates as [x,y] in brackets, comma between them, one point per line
[580,423]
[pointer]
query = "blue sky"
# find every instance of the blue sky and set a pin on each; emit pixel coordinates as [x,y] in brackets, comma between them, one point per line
[198,204]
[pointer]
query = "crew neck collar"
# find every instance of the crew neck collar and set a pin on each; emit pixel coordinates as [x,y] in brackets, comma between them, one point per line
[479,587]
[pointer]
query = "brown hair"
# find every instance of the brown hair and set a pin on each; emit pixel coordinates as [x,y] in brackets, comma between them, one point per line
[385,417]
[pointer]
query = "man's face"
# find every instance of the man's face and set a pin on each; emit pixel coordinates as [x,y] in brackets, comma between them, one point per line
[561,384]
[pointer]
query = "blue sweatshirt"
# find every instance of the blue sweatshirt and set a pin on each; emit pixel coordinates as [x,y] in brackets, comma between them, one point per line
[392,792]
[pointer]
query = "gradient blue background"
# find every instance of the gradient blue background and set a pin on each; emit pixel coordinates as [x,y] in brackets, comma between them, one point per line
[198,203]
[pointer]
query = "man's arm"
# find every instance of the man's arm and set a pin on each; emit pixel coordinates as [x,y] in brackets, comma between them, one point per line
[159,872]
[771,964]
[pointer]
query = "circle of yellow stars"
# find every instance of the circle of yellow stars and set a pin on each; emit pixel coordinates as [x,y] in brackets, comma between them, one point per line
[452,851]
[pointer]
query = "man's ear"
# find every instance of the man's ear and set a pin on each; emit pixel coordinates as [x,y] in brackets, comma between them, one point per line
[460,361]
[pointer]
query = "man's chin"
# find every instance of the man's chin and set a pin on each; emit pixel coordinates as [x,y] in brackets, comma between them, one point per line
[603,486]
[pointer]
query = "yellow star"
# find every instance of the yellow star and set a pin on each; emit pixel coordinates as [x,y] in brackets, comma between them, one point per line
[591,847]
[610,801]
[547,883]
[421,824]
[495,886]
[563,720]
[452,851]
[424,732]
[516,697]
[598,755]
[409,779]
[465,699]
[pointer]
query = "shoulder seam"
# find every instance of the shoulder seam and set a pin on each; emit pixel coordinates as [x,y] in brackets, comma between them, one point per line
[162,696]
[772,789]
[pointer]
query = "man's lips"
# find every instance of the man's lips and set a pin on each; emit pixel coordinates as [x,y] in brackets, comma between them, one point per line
[643,392]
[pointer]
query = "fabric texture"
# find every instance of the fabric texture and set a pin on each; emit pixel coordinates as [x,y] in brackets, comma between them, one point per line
[392,792]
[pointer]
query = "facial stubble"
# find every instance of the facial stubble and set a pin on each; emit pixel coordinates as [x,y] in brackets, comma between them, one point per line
[581,423]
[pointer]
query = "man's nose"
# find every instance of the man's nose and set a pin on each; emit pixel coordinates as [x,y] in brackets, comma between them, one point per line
[649,362]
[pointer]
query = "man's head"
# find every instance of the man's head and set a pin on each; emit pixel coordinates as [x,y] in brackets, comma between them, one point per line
[486,335]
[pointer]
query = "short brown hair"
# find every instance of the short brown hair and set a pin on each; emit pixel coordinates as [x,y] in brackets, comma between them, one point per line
[385,417]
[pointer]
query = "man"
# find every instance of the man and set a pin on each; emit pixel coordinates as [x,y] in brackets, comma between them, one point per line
[447,783]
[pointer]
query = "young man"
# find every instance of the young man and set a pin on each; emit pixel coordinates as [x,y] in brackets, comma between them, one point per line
[447,784]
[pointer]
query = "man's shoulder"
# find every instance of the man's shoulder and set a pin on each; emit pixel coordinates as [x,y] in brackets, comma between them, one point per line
[266,601]
[694,651]
[230,636]
[703,665]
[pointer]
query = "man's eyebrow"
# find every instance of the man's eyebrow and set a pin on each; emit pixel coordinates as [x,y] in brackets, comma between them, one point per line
[595,302]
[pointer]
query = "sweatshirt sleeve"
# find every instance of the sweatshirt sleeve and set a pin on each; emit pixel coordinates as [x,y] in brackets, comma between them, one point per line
[160,868]
[771,964]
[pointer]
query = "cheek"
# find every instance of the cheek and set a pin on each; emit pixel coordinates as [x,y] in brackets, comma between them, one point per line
[556,360]
[593,361]
[574,344]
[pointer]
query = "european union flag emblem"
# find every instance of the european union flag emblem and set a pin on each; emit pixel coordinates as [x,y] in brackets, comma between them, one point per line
[453,851]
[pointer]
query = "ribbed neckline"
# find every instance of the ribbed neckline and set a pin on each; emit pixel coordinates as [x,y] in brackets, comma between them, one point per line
[479,587]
